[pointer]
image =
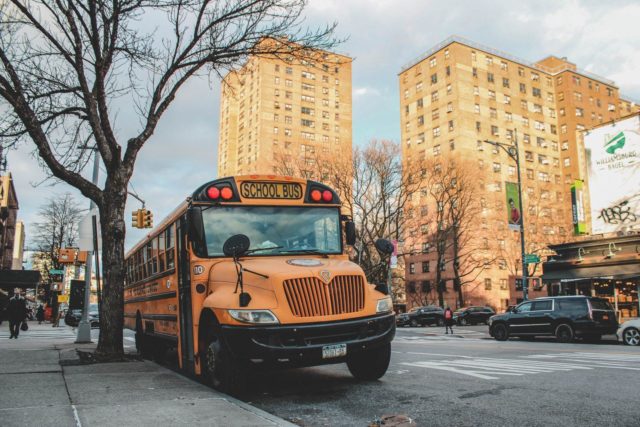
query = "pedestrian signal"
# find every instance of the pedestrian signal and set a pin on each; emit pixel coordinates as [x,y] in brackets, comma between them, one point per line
[147,218]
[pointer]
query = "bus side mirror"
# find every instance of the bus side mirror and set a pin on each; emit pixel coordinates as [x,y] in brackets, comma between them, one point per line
[195,228]
[350,232]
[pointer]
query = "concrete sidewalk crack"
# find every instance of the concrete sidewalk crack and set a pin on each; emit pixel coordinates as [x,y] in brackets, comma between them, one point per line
[66,387]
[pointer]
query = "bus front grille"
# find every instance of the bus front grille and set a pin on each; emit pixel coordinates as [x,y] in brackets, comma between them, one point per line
[309,296]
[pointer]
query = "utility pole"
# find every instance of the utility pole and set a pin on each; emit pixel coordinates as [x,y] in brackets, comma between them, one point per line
[513,151]
[84,327]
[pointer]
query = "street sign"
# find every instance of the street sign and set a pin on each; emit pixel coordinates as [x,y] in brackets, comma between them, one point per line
[54,271]
[531,258]
[63,299]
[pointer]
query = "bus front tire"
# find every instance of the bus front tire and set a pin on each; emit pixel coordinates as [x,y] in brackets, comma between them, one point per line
[369,365]
[222,371]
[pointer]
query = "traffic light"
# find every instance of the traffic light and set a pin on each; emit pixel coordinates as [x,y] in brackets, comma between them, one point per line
[137,218]
[147,218]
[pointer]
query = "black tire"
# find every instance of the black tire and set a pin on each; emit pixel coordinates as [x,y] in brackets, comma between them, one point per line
[486,321]
[144,344]
[463,322]
[631,336]
[369,365]
[564,333]
[500,332]
[414,323]
[222,371]
[440,322]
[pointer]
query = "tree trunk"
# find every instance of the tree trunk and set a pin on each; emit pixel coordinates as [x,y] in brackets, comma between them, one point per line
[458,287]
[439,284]
[112,303]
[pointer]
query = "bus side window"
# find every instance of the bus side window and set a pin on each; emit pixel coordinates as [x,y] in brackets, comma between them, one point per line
[161,252]
[169,239]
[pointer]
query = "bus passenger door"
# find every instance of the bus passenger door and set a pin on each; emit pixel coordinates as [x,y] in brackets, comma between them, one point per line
[184,298]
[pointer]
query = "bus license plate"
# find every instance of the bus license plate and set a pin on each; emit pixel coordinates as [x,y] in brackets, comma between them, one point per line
[332,351]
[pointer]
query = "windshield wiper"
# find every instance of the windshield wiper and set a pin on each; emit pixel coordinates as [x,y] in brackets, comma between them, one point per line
[314,251]
[250,251]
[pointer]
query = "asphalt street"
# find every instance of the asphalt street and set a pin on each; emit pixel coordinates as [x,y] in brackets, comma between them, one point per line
[467,379]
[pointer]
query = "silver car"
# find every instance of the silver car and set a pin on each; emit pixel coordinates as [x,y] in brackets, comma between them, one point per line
[629,332]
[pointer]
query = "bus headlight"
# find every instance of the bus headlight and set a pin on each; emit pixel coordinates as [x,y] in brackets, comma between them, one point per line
[263,317]
[384,305]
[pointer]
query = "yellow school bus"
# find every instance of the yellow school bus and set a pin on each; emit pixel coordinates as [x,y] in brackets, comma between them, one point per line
[251,272]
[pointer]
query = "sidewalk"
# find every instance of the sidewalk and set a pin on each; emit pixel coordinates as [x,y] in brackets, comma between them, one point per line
[35,389]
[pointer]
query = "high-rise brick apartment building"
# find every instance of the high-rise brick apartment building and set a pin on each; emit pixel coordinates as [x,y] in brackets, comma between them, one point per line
[285,109]
[459,94]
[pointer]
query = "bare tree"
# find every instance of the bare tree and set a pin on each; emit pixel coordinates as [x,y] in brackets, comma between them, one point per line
[375,189]
[58,226]
[450,188]
[67,65]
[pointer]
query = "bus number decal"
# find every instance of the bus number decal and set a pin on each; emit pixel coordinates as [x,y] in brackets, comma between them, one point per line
[270,190]
[198,269]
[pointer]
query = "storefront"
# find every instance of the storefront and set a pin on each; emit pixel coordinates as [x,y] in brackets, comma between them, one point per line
[607,268]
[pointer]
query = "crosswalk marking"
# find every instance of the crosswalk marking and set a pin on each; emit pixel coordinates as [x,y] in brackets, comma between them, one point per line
[489,368]
[43,333]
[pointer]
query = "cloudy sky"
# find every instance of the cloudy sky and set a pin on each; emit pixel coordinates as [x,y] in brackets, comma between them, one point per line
[383,35]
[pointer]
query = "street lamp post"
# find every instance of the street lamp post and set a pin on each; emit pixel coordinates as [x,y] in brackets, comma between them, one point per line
[84,326]
[513,152]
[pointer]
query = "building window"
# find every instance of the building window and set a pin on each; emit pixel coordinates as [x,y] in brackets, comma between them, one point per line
[476,90]
[476,108]
[487,284]
[434,96]
[412,268]
[425,266]
[505,82]
[496,167]
[503,284]
[436,132]
[434,78]
[536,92]
[436,150]
[490,77]
[450,125]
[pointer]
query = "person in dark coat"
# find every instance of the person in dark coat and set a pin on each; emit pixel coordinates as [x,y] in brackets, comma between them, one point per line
[16,312]
[448,320]
[40,314]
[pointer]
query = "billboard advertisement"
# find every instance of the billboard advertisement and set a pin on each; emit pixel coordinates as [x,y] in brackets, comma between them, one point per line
[577,207]
[613,162]
[513,206]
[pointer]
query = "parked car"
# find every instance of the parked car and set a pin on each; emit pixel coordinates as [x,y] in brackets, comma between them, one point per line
[473,315]
[629,332]
[74,316]
[403,319]
[428,315]
[565,317]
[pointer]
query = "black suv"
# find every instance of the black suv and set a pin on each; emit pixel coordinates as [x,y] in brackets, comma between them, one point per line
[473,315]
[564,317]
[428,315]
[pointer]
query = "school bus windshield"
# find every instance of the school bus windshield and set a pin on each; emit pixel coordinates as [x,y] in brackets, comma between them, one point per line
[281,230]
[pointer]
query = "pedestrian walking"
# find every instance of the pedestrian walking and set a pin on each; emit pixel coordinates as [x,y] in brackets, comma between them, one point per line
[40,314]
[16,312]
[448,320]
